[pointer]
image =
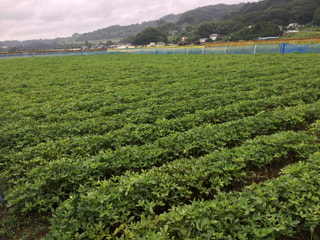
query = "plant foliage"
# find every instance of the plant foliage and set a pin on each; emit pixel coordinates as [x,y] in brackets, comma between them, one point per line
[161,146]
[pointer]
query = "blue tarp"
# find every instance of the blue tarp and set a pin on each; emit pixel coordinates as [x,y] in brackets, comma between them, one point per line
[293,48]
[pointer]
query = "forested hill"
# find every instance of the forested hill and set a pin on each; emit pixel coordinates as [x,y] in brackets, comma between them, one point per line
[192,17]
[207,14]
[113,32]
[261,19]
[280,12]
[229,19]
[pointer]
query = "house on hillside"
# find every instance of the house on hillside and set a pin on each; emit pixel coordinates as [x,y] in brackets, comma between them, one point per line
[203,40]
[124,46]
[213,36]
[294,25]
[156,44]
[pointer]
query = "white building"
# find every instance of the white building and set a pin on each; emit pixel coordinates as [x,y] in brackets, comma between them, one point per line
[294,25]
[213,36]
[203,40]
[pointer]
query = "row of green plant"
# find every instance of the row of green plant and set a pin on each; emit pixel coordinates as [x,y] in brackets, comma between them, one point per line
[286,207]
[132,134]
[87,145]
[100,210]
[46,185]
[47,125]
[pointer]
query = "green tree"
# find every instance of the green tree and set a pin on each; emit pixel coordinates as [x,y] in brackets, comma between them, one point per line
[258,30]
[129,39]
[148,35]
[303,11]
[109,43]
[195,39]
[279,16]
[316,17]
[166,27]
[88,44]
[205,29]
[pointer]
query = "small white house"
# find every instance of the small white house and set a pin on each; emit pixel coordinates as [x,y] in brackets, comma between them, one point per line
[156,44]
[294,25]
[152,44]
[203,40]
[213,36]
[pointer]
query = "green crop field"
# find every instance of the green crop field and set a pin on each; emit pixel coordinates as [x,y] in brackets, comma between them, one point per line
[160,147]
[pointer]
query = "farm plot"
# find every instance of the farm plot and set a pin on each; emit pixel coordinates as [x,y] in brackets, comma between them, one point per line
[161,147]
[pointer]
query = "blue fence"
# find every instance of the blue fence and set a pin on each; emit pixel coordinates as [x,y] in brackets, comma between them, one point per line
[251,49]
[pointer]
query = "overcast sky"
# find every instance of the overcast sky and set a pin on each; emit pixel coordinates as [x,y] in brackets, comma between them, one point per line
[46,19]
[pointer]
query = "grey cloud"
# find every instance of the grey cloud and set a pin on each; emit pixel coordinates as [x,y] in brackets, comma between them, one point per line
[17,11]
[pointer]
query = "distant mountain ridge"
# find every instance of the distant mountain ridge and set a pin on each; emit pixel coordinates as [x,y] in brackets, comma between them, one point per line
[207,14]
[171,18]
[276,11]
[192,17]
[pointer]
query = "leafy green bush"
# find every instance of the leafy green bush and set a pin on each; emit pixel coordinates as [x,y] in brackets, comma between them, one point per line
[124,199]
[275,209]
